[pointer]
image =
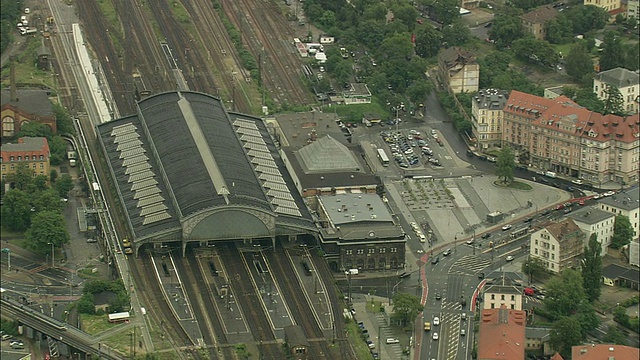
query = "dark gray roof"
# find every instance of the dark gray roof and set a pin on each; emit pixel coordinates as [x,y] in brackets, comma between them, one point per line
[625,200]
[590,215]
[632,275]
[200,158]
[491,99]
[537,333]
[32,101]
[294,336]
[619,77]
[613,271]
[25,144]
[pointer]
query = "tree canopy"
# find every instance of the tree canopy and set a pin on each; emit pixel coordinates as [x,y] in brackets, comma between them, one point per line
[405,308]
[564,294]
[592,269]
[565,334]
[506,165]
[47,227]
[622,232]
[578,62]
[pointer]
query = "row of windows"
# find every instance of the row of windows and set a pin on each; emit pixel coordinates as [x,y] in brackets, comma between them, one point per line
[13,166]
[4,176]
[493,297]
[26,158]
[371,251]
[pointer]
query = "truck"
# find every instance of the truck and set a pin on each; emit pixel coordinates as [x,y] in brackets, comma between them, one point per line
[28,31]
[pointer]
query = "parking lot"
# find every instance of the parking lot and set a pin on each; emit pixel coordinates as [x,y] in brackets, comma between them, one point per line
[411,149]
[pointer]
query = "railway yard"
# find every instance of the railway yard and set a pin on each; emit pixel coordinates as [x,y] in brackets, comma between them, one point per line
[152,47]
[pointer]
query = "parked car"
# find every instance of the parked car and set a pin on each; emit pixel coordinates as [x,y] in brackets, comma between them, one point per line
[506,227]
[436,321]
[509,258]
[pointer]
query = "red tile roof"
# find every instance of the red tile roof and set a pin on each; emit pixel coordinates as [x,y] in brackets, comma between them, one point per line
[557,356]
[501,334]
[563,115]
[604,351]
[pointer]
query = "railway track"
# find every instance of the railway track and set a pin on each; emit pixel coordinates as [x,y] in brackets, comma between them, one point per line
[102,44]
[247,297]
[284,80]
[221,51]
[300,308]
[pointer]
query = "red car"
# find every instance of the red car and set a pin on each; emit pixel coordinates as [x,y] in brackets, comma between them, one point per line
[560,207]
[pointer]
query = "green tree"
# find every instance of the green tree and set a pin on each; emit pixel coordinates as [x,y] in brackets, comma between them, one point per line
[614,336]
[535,51]
[419,91]
[534,268]
[397,46]
[587,98]
[613,101]
[612,55]
[86,304]
[58,149]
[632,56]
[587,18]
[565,334]
[559,30]
[578,62]
[506,29]
[16,210]
[620,316]
[48,200]
[406,14]
[506,165]
[428,41]
[405,308]
[21,179]
[564,294]
[64,123]
[493,64]
[456,34]
[47,227]
[371,33]
[63,185]
[592,269]
[586,317]
[35,129]
[622,232]
[446,11]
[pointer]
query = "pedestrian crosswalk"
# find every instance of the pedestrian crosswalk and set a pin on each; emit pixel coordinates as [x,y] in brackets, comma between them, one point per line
[469,265]
[393,350]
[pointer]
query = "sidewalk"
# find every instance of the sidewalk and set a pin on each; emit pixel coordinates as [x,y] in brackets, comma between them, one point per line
[377,325]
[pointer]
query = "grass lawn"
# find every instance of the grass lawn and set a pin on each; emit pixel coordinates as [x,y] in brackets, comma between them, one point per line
[95,324]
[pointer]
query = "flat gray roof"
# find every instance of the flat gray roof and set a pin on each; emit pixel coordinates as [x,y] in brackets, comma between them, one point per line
[625,200]
[590,215]
[355,208]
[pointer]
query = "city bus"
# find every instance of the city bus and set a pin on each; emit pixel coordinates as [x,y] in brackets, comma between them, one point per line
[384,159]
[518,233]
[119,317]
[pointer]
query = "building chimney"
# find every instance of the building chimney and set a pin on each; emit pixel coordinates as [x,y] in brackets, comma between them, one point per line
[12,79]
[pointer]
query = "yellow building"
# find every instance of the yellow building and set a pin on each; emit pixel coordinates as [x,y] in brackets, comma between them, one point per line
[30,152]
[608,5]
[534,21]
[486,115]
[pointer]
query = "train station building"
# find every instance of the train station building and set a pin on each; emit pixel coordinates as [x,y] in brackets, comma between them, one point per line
[186,170]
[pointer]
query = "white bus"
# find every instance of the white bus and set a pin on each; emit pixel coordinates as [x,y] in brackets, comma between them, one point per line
[384,159]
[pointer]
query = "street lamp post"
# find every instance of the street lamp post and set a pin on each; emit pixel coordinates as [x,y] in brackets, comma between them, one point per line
[8,251]
[473,243]
[455,241]
[53,255]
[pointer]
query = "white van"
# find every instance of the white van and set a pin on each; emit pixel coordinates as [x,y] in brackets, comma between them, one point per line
[550,174]
[393,341]
[422,238]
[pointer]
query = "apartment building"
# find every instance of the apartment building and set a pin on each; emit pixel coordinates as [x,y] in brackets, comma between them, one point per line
[626,81]
[608,5]
[459,69]
[534,21]
[624,203]
[559,245]
[486,116]
[31,152]
[595,221]
[561,136]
